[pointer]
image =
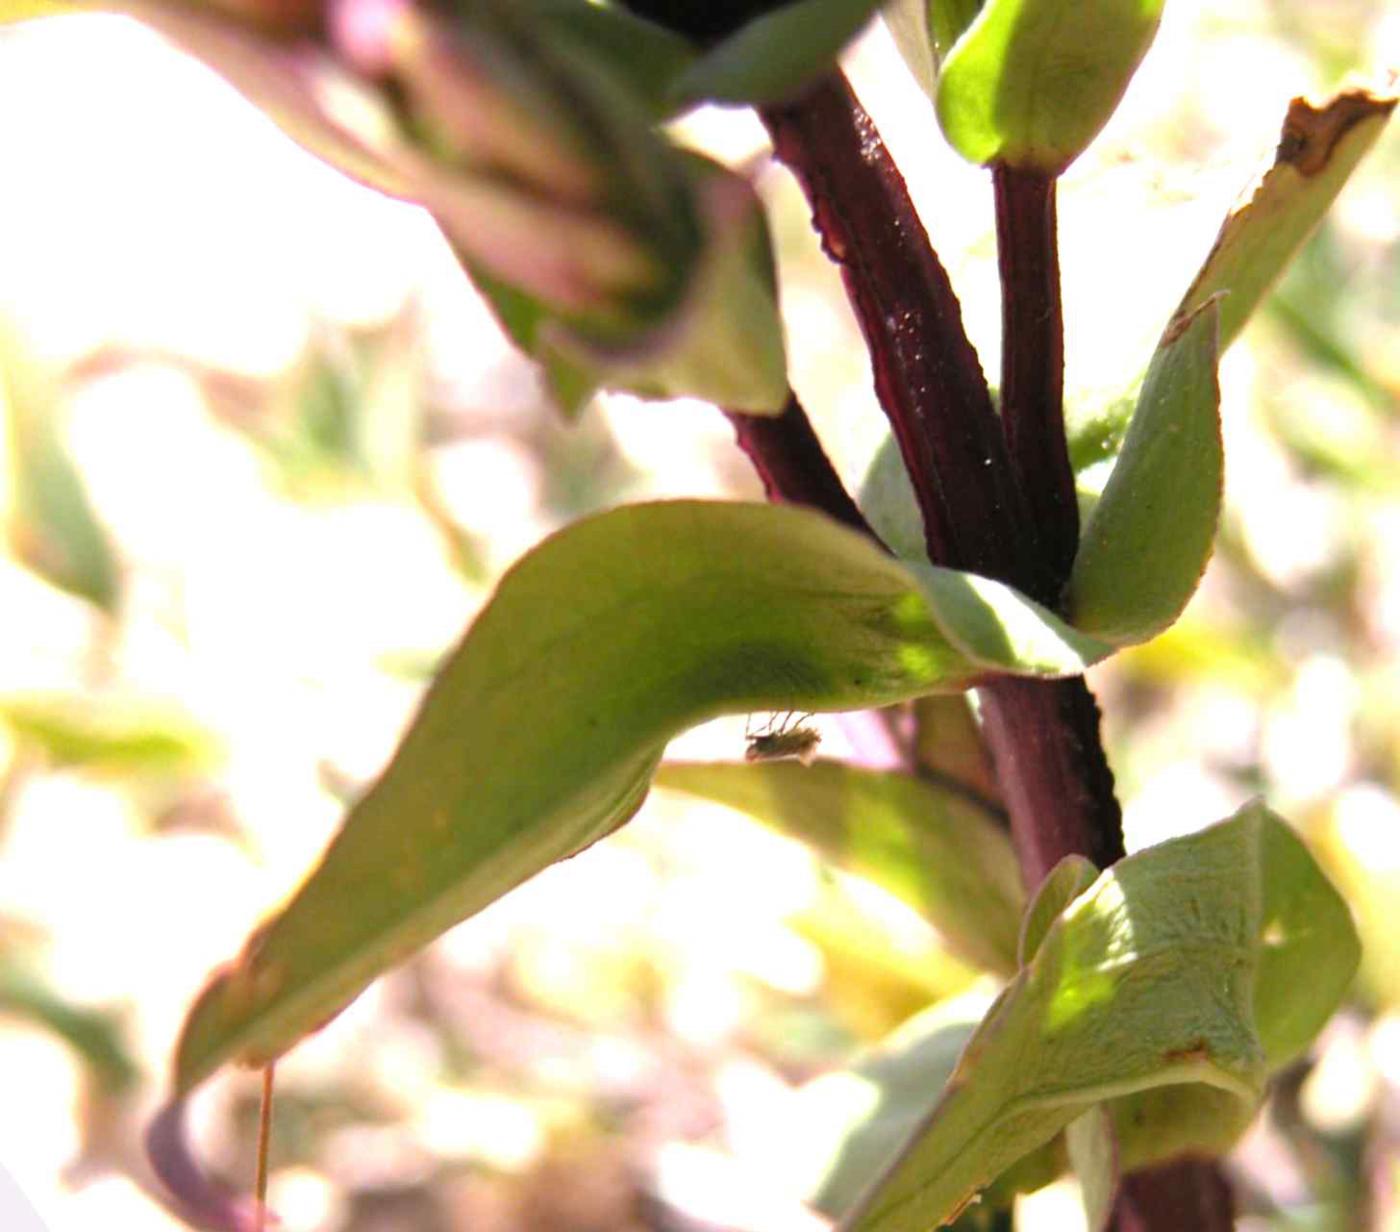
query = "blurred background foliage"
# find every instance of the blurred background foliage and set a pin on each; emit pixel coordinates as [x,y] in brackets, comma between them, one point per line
[265,454]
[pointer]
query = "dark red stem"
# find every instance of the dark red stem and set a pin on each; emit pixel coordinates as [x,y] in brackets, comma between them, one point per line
[1005,512]
[1033,358]
[927,375]
[1190,1193]
[792,463]
[1058,788]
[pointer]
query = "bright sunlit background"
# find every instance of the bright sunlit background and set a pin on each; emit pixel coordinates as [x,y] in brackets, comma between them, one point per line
[290,452]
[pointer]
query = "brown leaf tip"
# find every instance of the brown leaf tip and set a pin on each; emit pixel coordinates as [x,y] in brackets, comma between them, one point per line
[1311,133]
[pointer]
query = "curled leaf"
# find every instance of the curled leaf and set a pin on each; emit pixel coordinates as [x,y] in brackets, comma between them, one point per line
[1319,148]
[1169,971]
[541,733]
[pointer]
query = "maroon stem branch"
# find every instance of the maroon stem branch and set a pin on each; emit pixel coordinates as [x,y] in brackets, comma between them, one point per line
[1032,358]
[1005,512]
[927,375]
[1044,739]
[793,465]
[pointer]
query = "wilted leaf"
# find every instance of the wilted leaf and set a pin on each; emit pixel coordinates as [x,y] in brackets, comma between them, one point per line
[541,733]
[1031,82]
[935,851]
[1169,970]
[1150,535]
[772,57]
[1318,150]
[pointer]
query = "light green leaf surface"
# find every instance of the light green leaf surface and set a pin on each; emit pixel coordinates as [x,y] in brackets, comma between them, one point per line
[772,57]
[845,1126]
[941,855]
[108,734]
[1319,149]
[887,500]
[1170,969]
[1147,542]
[1031,82]
[1093,1154]
[541,733]
[1064,883]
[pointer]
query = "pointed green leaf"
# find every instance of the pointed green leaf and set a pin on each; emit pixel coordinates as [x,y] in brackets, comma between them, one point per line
[1319,149]
[96,1036]
[772,57]
[1147,542]
[1031,82]
[1168,970]
[113,735]
[541,733]
[1064,883]
[925,31]
[847,1125]
[929,847]
[996,626]
[49,522]
[887,499]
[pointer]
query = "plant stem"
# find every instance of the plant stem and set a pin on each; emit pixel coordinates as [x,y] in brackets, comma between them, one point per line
[927,375]
[792,463]
[1006,512]
[1044,739]
[1032,358]
[1190,1193]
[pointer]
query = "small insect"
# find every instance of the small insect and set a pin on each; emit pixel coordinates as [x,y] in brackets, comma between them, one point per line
[788,738]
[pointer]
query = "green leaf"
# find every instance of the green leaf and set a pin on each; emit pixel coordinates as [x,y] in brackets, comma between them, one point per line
[887,499]
[925,31]
[846,1126]
[112,735]
[1064,883]
[50,525]
[948,745]
[96,1036]
[1168,970]
[541,733]
[927,846]
[1031,82]
[1147,542]
[646,56]
[1093,1154]
[772,57]
[1319,149]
